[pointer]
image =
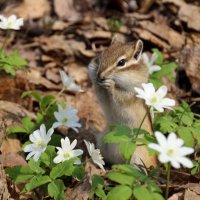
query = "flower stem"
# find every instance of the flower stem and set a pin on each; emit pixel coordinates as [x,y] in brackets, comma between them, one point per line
[168,178]
[59,93]
[141,123]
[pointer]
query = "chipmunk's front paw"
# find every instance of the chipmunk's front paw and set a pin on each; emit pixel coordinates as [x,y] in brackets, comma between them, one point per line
[108,84]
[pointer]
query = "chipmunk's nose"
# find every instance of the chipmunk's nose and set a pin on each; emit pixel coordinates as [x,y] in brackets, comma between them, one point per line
[100,79]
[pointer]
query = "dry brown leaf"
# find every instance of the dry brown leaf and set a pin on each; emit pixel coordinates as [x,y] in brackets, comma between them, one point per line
[10,145]
[34,76]
[176,196]
[31,9]
[164,32]
[59,25]
[190,195]
[52,76]
[190,61]
[80,73]
[65,10]
[95,34]
[12,159]
[195,187]
[146,35]
[4,194]
[188,13]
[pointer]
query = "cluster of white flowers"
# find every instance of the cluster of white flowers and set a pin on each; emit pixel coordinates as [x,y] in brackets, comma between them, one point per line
[170,149]
[11,22]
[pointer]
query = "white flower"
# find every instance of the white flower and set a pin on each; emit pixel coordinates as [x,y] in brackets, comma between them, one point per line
[171,150]
[149,62]
[39,139]
[66,151]
[67,117]
[11,22]
[153,98]
[95,154]
[68,82]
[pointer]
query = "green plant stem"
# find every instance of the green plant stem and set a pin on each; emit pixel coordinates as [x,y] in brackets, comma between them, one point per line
[59,93]
[141,123]
[168,179]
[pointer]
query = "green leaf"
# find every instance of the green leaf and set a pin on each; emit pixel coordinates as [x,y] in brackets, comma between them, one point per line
[16,60]
[28,124]
[36,181]
[121,178]
[19,173]
[128,169]
[78,172]
[160,56]
[118,134]
[96,180]
[127,149]
[196,133]
[46,100]
[121,192]
[61,169]
[36,95]
[56,190]
[100,192]
[55,140]
[35,166]
[186,135]
[16,129]
[47,157]
[141,193]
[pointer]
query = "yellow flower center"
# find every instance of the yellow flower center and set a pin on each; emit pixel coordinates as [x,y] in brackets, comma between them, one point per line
[170,152]
[67,155]
[40,143]
[154,100]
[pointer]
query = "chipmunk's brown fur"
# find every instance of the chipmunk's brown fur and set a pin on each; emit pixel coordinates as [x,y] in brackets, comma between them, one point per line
[115,73]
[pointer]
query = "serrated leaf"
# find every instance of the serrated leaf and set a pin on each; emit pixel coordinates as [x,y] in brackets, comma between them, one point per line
[16,129]
[36,181]
[186,135]
[78,172]
[46,100]
[141,193]
[127,149]
[56,190]
[118,134]
[160,56]
[61,169]
[128,169]
[121,178]
[47,157]
[121,192]
[35,167]
[100,192]
[34,94]
[19,173]
[96,180]
[28,124]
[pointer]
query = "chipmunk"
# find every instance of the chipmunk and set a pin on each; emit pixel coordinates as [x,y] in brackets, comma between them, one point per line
[114,74]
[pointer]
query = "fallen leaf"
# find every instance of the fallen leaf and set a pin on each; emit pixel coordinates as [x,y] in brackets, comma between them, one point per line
[12,159]
[176,196]
[4,194]
[188,13]
[65,10]
[29,9]
[190,61]
[190,195]
[164,32]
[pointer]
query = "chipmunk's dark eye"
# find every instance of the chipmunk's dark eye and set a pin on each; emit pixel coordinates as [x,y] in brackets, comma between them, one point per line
[121,63]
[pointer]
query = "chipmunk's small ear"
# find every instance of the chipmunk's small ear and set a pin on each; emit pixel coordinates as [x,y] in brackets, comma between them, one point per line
[138,51]
[115,39]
